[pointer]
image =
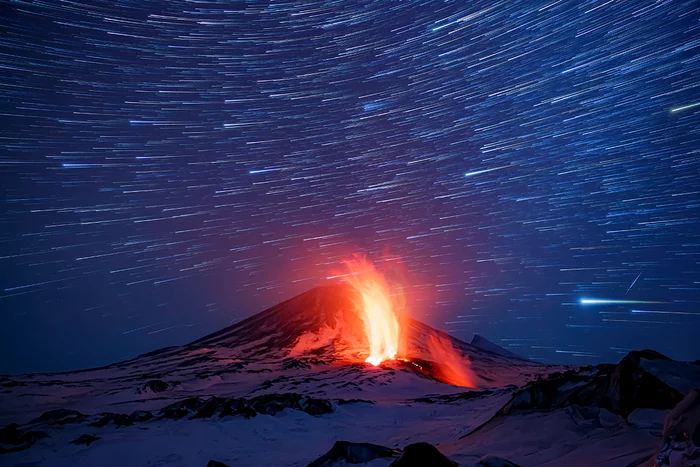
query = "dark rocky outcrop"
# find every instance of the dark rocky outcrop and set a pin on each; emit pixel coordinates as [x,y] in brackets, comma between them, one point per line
[181,408]
[224,407]
[119,419]
[154,385]
[87,440]
[292,363]
[354,453]
[139,416]
[9,383]
[213,463]
[494,461]
[451,398]
[683,422]
[13,440]
[268,404]
[60,417]
[353,401]
[681,434]
[421,455]
[629,386]
[619,389]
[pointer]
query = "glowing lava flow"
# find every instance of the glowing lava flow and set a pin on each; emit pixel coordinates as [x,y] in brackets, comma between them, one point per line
[377,309]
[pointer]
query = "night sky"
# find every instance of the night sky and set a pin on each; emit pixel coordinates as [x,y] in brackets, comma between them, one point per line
[171,167]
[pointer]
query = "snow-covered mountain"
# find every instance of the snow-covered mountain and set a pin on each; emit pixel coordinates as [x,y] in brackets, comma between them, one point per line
[281,387]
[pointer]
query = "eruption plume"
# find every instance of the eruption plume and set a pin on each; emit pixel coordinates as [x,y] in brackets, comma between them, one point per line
[377,309]
[454,369]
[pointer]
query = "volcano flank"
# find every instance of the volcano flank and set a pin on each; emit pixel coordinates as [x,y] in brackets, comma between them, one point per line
[283,386]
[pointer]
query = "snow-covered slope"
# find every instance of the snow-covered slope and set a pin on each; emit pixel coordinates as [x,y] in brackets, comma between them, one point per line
[309,344]
[279,388]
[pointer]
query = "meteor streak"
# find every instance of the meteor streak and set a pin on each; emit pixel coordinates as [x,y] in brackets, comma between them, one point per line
[607,301]
[479,172]
[684,107]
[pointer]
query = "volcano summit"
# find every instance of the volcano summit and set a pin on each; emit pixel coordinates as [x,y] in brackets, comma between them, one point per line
[291,383]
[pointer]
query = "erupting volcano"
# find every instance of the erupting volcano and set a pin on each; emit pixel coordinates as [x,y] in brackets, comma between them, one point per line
[298,369]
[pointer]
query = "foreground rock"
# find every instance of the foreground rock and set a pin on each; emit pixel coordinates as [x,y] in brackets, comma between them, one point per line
[13,440]
[681,435]
[354,453]
[494,461]
[213,463]
[620,389]
[87,440]
[422,454]
[413,455]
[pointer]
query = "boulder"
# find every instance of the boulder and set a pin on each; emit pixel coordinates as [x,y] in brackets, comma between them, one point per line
[683,422]
[422,455]
[60,417]
[87,440]
[154,385]
[344,452]
[494,461]
[181,408]
[681,435]
[213,463]
[119,420]
[12,440]
[629,386]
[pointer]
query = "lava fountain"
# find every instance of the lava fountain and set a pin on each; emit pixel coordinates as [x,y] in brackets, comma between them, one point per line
[377,309]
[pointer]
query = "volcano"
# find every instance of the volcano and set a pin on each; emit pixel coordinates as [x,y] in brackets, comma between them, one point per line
[290,386]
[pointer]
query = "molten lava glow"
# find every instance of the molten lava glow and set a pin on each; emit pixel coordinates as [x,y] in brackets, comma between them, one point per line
[454,368]
[377,309]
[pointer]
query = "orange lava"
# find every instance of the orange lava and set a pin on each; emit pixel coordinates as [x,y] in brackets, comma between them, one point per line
[378,310]
[454,368]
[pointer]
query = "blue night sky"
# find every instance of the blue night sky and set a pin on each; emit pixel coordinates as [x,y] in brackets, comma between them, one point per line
[171,167]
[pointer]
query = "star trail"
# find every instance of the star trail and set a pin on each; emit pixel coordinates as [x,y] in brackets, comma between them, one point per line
[170,168]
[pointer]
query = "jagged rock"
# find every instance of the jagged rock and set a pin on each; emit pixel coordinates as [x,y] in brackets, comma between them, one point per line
[154,385]
[608,419]
[353,401]
[353,453]
[182,408]
[494,461]
[60,417]
[620,389]
[421,455]
[292,363]
[12,440]
[683,422]
[559,390]
[270,404]
[119,419]
[9,383]
[87,440]
[139,416]
[224,407]
[681,436]
[315,406]
[450,398]
[213,463]
[630,387]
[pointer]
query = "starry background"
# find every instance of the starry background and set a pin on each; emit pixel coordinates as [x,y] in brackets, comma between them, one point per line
[171,167]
